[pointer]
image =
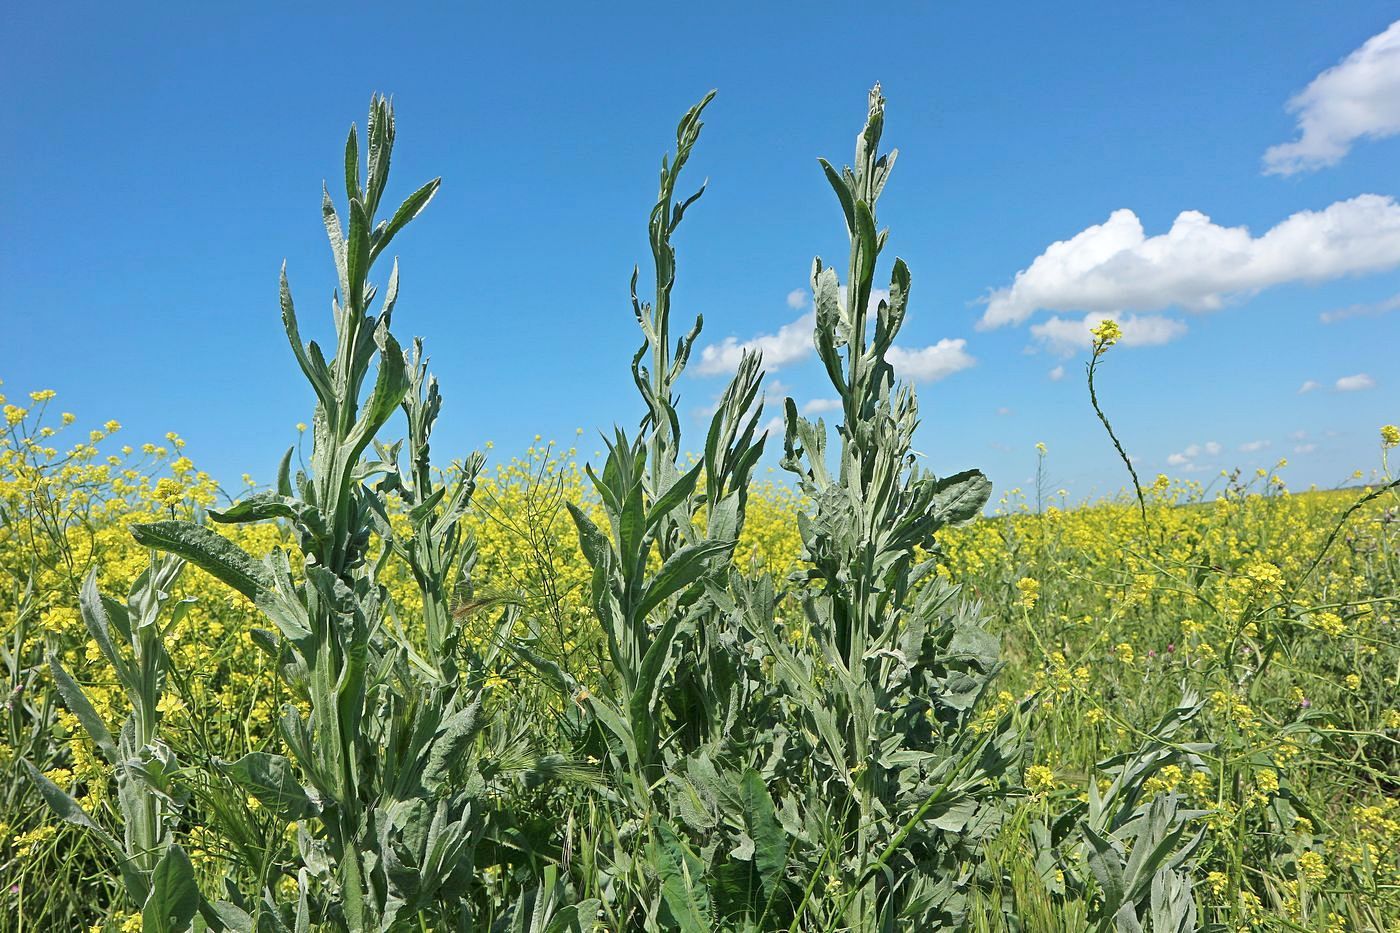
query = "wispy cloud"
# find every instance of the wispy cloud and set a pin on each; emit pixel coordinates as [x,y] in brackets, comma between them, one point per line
[818,406]
[1250,447]
[1198,265]
[1057,374]
[1355,99]
[1189,460]
[1355,383]
[1374,309]
[1309,385]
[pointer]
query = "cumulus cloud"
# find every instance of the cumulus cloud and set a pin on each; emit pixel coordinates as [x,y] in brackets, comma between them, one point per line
[792,342]
[1355,383]
[1355,99]
[931,364]
[1308,386]
[1066,335]
[1057,374]
[1363,310]
[1199,265]
[1189,459]
[818,406]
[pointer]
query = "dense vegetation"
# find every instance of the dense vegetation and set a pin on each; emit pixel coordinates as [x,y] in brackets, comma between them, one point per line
[399,693]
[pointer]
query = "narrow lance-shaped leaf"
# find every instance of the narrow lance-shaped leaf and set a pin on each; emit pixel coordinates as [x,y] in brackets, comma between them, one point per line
[208,550]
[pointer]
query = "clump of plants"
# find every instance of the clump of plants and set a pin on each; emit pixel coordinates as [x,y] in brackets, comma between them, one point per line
[733,764]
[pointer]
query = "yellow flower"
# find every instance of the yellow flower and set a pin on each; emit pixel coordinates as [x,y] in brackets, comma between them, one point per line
[1029,588]
[1312,867]
[1352,681]
[1390,436]
[1039,779]
[1105,335]
[168,492]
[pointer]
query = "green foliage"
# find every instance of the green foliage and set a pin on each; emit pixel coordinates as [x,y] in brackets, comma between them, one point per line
[813,753]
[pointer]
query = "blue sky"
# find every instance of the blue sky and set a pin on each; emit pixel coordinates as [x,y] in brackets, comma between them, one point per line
[161,164]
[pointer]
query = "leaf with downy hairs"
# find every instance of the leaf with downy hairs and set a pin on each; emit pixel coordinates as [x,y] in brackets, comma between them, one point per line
[1107,867]
[79,705]
[686,566]
[271,780]
[591,539]
[843,194]
[94,612]
[681,888]
[357,256]
[310,361]
[867,249]
[337,239]
[960,497]
[680,490]
[174,897]
[390,385]
[264,506]
[411,208]
[649,676]
[209,551]
[770,845]
[454,735]
[352,164]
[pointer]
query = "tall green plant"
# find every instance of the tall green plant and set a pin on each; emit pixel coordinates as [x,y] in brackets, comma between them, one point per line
[155,871]
[384,770]
[901,657]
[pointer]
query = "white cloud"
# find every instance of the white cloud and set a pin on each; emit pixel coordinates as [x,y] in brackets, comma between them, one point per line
[1057,374]
[1068,335]
[1299,435]
[819,406]
[1250,447]
[791,343]
[1356,99]
[1355,383]
[933,363]
[1197,264]
[1189,459]
[1308,386]
[1305,448]
[1363,310]
[1005,412]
